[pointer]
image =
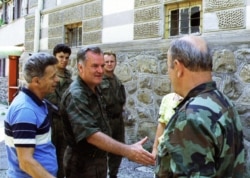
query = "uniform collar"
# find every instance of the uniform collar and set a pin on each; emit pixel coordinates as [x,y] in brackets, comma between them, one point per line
[202,88]
[88,90]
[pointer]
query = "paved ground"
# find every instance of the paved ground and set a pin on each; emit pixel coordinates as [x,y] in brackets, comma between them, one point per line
[3,157]
[128,169]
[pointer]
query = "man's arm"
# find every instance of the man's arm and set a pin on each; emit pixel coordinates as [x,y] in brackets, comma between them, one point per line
[133,152]
[190,145]
[29,165]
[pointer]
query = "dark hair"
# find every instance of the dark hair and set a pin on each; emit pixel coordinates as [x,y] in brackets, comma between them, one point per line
[190,55]
[110,53]
[81,54]
[61,48]
[36,64]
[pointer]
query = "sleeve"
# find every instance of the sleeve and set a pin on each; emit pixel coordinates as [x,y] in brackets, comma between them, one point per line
[162,109]
[24,128]
[191,146]
[82,117]
[166,109]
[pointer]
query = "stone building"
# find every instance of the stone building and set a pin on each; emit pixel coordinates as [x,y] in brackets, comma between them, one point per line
[139,31]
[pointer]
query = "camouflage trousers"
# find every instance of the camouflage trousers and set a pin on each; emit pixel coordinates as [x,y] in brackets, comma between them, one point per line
[88,167]
[117,130]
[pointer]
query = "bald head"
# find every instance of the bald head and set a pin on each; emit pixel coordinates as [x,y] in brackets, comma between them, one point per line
[196,41]
[193,52]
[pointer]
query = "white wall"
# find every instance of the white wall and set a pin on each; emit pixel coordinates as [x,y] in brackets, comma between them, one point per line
[44,39]
[247,14]
[118,20]
[13,33]
[210,22]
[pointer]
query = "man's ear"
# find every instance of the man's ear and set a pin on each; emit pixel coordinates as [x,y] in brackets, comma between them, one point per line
[178,66]
[36,80]
[80,67]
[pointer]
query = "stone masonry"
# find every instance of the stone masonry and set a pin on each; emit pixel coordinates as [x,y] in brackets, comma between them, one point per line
[3,90]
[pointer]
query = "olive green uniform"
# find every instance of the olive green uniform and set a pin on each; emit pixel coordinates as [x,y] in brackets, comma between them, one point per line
[56,120]
[84,114]
[114,96]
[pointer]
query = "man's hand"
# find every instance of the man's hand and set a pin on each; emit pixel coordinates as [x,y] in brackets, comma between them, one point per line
[139,155]
[134,152]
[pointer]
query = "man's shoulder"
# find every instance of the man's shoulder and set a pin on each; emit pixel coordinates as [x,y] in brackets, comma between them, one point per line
[77,91]
[23,112]
[105,83]
[67,73]
[77,87]
[22,101]
[213,104]
[118,79]
[213,99]
[115,77]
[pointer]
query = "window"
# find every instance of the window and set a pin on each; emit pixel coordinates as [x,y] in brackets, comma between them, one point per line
[183,18]
[73,36]
[5,17]
[12,10]
[17,8]
[2,67]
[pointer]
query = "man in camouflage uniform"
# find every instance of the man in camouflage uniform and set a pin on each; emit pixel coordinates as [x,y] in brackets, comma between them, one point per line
[86,124]
[62,53]
[114,96]
[204,137]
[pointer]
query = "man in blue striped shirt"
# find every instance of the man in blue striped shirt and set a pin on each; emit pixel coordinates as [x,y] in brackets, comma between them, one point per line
[27,126]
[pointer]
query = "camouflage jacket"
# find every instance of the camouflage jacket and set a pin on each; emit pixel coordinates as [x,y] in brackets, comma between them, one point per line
[63,84]
[114,95]
[83,113]
[203,138]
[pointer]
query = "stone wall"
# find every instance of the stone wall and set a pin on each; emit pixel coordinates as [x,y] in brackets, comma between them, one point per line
[4,90]
[29,33]
[143,70]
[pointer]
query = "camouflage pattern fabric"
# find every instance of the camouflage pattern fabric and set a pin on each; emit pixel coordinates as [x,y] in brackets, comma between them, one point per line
[203,138]
[83,113]
[63,84]
[56,121]
[114,96]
